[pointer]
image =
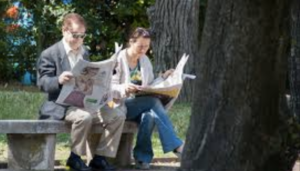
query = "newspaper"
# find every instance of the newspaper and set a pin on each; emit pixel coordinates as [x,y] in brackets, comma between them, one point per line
[168,88]
[90,87]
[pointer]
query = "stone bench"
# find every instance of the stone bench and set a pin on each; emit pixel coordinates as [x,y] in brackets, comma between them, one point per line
[31,143]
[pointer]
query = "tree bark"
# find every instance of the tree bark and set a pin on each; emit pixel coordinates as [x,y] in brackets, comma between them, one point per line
[175,31]
[294,61]
[239,110]
[294,75]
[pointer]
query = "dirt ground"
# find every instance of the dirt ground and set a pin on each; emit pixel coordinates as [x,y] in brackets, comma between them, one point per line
[158,164]
[161,164]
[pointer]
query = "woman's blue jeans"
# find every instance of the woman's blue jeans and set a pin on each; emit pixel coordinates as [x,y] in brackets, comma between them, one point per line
[149,112]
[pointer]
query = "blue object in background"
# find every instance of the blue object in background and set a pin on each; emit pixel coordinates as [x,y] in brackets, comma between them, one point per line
[26,78]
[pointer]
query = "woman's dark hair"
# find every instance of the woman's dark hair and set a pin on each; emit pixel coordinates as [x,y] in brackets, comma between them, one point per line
[139,32]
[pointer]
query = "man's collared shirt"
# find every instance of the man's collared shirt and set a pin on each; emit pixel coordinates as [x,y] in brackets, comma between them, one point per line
[72,55]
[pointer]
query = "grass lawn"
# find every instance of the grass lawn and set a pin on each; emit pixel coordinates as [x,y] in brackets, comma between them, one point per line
[24,102]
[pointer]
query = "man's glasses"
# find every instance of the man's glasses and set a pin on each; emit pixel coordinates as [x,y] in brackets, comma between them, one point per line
[76,35]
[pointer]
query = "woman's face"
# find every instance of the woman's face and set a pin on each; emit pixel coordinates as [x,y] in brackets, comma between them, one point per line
[140,46]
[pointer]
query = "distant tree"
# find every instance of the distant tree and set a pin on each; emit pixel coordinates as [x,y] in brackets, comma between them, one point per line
[5,71]
[13,49]
[108,22]
[175,31]
[240,120]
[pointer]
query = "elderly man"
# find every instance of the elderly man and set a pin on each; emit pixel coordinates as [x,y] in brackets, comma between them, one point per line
[54,66]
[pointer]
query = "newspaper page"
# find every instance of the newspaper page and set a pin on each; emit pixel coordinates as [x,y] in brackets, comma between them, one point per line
[167,88]
[90,88]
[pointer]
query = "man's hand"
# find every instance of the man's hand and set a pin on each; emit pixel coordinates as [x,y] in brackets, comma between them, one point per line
[65,77]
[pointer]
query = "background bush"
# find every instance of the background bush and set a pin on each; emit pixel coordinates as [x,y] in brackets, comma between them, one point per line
[29,27]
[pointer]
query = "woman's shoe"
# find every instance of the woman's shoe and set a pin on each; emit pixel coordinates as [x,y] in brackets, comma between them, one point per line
[142,165]
[178,151]
[178,154]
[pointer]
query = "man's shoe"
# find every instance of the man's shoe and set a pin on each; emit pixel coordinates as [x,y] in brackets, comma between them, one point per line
[77,164]
[142,165]
[99,163]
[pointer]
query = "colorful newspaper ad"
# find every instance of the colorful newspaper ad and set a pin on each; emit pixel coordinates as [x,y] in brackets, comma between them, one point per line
[90,87]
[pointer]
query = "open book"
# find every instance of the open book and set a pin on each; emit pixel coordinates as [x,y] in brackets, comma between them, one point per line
[90,88]
[168,88]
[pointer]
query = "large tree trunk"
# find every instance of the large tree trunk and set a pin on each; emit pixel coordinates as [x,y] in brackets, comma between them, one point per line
[294,70]
[295,58]
[175,28]
[239,113]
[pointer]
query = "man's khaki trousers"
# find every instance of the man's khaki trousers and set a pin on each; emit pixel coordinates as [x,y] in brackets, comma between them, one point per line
[112,119]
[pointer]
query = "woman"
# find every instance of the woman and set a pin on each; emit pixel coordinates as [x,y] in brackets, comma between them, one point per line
[134,69]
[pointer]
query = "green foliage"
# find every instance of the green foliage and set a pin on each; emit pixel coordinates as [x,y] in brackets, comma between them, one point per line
[108,21]
[5,71]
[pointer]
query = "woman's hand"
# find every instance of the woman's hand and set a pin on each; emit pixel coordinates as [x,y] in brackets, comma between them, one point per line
[131,88]
[167,73]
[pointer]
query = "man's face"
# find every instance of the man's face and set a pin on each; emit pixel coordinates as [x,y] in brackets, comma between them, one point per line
[74,35]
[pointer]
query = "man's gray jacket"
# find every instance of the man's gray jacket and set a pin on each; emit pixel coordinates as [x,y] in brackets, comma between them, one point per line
[53,62]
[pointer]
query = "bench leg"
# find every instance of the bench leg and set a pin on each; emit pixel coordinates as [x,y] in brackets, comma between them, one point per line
[31,151]
[125,149]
